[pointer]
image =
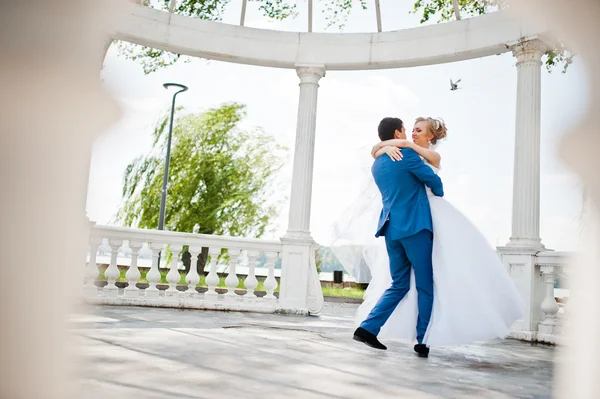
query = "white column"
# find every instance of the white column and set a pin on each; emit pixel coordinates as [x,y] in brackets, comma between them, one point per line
[300,202]
[526,183]
[296,276]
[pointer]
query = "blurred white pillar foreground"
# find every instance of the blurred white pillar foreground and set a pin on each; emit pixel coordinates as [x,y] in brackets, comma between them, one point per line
[51,108]
[575,23]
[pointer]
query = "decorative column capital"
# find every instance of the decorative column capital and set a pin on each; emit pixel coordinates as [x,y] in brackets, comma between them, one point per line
[309,73]
[529,51]
[547,269]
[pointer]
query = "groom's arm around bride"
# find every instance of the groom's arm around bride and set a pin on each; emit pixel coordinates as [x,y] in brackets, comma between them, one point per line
[422,172]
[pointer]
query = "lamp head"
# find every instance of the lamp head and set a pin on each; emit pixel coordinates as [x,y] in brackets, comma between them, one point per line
[177,85]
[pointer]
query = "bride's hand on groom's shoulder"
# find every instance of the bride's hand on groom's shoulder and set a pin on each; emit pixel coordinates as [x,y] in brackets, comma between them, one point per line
[393,152]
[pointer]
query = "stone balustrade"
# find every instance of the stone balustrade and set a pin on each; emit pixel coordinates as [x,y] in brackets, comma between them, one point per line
[138,253]
[225,254]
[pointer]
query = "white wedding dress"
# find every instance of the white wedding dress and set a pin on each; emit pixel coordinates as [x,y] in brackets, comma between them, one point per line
[474,297]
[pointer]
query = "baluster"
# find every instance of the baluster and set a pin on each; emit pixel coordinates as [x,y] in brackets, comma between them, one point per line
[271,282]
[113,273]
[153,275]
[91,270]
[566,300]
[133,273]
[549,326]
[212,280]
[251,282]
[232,279]
[193,278]
[173,276]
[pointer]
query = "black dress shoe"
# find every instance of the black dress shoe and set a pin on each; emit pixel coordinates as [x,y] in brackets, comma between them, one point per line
[362,335]
[422,350]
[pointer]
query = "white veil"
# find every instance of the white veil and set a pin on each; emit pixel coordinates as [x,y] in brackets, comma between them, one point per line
[353,238]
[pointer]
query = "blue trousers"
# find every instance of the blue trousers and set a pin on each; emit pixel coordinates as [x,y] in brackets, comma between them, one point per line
[414,250]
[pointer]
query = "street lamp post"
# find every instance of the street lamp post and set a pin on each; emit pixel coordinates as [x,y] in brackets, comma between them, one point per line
[163,200]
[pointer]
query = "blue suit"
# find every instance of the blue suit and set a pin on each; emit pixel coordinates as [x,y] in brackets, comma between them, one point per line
[405,222]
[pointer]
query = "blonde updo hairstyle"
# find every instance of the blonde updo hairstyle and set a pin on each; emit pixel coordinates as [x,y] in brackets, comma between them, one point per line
[436,127]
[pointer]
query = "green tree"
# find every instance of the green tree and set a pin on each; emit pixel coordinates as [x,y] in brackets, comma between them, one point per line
[318,261]
[336,14]
[326,260]
[221,177]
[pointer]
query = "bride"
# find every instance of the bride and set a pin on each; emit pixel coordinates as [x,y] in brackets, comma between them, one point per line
[474,297]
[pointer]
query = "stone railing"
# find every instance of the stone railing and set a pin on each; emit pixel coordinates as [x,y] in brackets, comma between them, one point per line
[534,274]
[140,250]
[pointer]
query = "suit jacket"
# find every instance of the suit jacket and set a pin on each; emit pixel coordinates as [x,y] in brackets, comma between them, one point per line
[402,185]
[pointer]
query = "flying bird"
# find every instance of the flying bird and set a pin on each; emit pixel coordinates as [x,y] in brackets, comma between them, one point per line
[454,85]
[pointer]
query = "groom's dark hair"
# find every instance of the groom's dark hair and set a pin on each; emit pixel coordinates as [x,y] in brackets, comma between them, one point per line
[387,128]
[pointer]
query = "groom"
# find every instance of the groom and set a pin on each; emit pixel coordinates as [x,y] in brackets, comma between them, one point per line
[405,222]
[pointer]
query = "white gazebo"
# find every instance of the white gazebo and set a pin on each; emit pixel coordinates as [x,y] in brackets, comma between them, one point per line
[532,267]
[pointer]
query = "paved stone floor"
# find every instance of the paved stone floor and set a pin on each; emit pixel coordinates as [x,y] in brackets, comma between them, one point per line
[164,353]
